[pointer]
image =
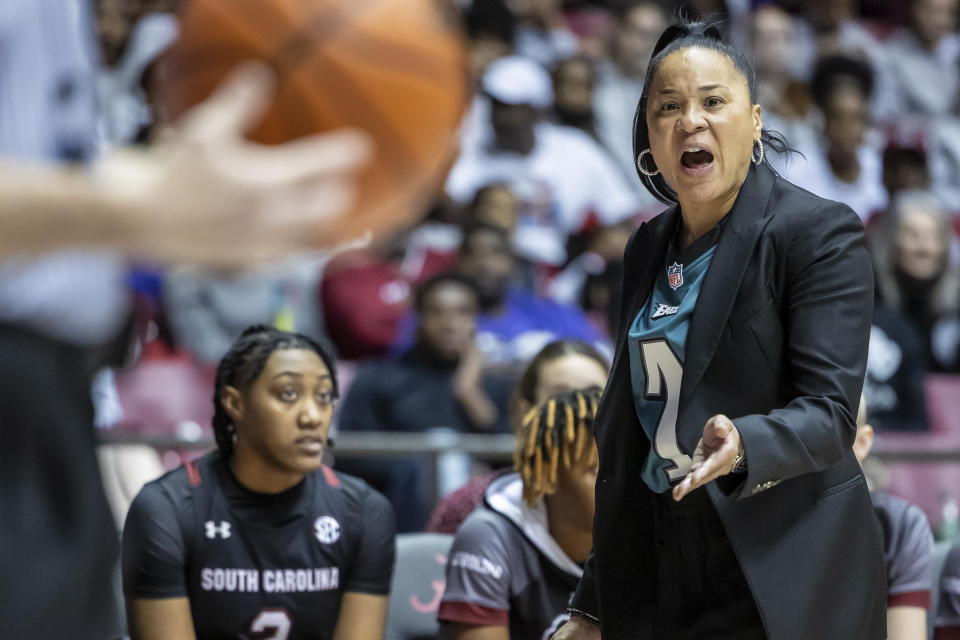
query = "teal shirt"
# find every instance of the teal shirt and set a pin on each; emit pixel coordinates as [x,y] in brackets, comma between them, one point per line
[657,339]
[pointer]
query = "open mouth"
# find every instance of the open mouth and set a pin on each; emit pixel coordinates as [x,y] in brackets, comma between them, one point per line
[696,158]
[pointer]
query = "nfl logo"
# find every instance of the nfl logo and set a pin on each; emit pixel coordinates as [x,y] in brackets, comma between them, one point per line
[675,275]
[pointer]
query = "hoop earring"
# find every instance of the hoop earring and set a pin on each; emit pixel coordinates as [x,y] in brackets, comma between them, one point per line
[755,159]
[645,172]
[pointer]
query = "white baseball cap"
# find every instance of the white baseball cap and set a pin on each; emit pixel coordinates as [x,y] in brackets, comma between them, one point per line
[518,80]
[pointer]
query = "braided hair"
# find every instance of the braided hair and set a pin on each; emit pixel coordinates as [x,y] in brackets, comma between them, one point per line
[557,430]
[244,362]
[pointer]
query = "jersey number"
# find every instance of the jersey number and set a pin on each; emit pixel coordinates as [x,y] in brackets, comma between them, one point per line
[277,620]
[664,371]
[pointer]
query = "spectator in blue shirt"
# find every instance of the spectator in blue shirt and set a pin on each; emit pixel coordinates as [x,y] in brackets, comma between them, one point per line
[514,323]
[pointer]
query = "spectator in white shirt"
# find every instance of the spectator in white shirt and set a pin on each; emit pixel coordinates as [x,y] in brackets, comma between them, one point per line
[836,31]
[922,60]
[542,31]
[782,64]
[637,25]
[843,167]
[559,174]
[574,82]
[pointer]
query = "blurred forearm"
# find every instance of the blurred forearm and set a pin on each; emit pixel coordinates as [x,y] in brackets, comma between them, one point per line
[46,207]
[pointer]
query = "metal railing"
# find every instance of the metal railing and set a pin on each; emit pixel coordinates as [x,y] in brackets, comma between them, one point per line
[494,447]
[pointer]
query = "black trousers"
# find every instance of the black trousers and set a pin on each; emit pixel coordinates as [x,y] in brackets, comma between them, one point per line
[58,545]
[702,592]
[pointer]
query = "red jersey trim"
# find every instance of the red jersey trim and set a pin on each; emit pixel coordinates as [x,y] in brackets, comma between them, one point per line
[470,613]
[946,633]
[193,474]
[909,599]
[330,476]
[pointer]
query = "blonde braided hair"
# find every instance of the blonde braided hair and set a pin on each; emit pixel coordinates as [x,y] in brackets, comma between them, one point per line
[557,431]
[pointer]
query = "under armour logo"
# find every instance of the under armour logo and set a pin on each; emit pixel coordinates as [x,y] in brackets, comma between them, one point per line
[214,530]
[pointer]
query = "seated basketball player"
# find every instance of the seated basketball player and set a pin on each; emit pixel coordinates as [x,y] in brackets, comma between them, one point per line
[907,548]
[517,559]
[259,539]
[947,615]
[562,365]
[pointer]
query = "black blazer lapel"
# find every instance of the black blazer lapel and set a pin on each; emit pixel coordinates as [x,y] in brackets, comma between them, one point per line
[643,261]
[648,267]
[721,285]
[640,271]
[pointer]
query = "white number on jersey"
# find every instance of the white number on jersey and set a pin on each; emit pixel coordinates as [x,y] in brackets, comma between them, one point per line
[664,371]
[277,620]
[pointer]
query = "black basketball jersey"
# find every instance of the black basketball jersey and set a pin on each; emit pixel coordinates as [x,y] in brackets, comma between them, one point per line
[257,566]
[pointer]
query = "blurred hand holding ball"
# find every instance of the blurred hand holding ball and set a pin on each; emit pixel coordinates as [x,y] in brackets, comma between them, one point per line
[397,69]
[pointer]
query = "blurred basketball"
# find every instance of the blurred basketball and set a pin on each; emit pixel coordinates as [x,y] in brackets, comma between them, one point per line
[394,68]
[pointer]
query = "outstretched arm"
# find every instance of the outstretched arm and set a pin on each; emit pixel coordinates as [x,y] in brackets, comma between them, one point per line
[827,311]
[202,193]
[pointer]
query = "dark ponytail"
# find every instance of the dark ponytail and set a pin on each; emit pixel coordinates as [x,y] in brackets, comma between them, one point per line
[684,35]
[243,364]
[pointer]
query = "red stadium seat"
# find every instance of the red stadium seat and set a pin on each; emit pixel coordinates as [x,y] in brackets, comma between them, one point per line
[167,396]
[943,404]
[927,483]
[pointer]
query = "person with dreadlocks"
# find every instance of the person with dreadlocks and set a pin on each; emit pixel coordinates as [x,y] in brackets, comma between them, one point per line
[517,558]
[260,539]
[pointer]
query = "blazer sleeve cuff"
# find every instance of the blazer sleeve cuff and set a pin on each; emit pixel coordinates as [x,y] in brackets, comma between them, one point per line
[585,601]
[758,477]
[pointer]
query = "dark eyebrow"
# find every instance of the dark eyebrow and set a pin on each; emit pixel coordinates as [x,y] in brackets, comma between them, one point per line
[706,87]
[325,376]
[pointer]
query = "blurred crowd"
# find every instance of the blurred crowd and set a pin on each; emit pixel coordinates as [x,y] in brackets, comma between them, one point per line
[523,243]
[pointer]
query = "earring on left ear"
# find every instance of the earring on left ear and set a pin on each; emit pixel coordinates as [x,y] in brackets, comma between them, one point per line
[757,159]
[644,170]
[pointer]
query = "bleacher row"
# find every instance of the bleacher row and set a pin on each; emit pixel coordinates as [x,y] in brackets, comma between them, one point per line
[924,468]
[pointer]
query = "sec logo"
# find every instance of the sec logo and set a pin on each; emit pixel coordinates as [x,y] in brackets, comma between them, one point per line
[327,529]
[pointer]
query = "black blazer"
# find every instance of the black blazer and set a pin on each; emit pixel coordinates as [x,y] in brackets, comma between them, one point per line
[777,342]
